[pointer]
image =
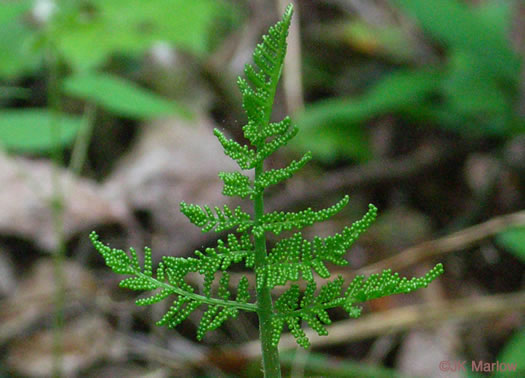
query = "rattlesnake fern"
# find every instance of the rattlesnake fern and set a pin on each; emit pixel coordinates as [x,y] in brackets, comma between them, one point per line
[291,259]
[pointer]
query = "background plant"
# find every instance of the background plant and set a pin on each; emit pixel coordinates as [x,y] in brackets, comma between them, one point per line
[471,90]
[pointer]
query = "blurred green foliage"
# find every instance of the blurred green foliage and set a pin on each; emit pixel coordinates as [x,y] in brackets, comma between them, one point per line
[28,130]
[472,90]
[120,96]
[17,55]
[83,36]
[514,353]
[336,125]
[86,33]
[514,241]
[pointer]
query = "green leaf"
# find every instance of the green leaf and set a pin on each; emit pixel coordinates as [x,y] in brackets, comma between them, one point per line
[513,353]
[29,130]
[453,24]
[497,14]
[18,56]
[87,38]
[514,241]
[184,23]
[477,103]
[12,9]
[120,96]
[471,89]
[334,127]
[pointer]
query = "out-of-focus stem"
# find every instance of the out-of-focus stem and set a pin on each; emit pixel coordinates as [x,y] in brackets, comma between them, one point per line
[292,78]
[57,207]
[79,153]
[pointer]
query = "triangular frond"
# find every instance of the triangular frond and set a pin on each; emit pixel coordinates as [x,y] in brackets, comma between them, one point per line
[291,259]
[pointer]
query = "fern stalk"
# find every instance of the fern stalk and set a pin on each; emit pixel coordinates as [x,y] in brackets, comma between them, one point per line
[270,353]
[292,259]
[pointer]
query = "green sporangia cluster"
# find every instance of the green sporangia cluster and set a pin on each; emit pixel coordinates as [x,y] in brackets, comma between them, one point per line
[291,259]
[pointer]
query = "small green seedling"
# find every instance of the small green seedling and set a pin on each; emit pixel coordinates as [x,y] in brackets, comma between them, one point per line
[292,258]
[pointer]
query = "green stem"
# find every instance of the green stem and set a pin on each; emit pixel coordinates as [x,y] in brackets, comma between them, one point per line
[80,149]
[270,353]
[57,210]
[197,297]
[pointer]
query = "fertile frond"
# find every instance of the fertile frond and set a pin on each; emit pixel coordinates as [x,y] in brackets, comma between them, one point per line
[386,283]
[332,248]
[170,280]
[223,219]
[243,155]
[291,307]
[275,176]
[276,128]
[243,295]
[143,280]
[277,222]
[178,312]
[269,148]
[258,100]
[213,319]
[291,259]
[234,250]
[216,315]
[310,309]
[121,263]
[293,256]
[116,259]
[236,184]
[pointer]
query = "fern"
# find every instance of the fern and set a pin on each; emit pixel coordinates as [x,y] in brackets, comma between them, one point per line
[291,259]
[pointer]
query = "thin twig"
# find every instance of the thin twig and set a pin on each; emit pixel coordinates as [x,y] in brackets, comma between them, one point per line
[292,78]
[374,172]
[450,243]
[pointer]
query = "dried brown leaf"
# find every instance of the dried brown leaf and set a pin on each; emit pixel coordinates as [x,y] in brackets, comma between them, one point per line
[33,298]
[27,193]
[85,341]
